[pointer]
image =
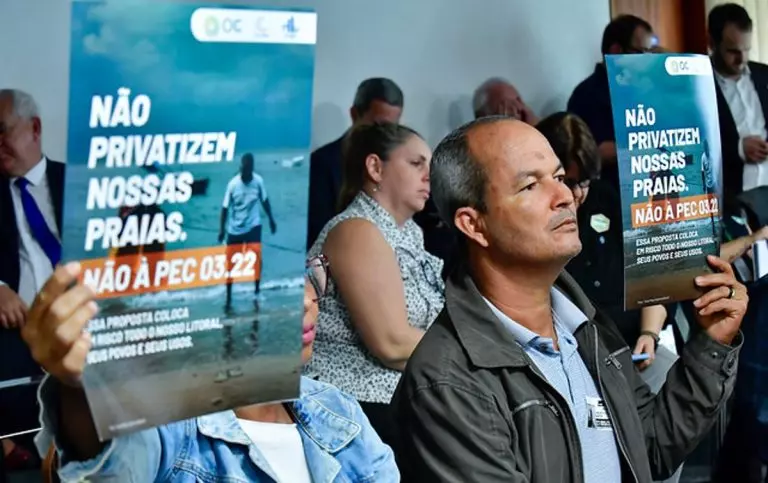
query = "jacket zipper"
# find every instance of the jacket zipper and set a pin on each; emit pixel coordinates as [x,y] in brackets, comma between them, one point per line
[579,469]
[537,402]
[612,359]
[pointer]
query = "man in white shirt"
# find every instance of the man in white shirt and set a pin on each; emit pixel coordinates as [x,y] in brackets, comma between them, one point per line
[742,92]
[241,216]
[30,222]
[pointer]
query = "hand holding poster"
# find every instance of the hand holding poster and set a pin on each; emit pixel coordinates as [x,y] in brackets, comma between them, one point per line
[668,148]
[188,131]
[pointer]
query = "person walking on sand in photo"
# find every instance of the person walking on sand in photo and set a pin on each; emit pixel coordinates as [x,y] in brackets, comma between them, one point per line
[241,218]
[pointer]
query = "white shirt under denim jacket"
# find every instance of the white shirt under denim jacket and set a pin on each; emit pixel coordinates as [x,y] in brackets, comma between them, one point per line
[339,446]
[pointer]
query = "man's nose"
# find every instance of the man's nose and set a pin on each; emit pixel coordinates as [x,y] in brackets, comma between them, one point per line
[563,197]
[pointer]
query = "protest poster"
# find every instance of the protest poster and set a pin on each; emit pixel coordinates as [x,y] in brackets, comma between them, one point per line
[670,168]
[186,204]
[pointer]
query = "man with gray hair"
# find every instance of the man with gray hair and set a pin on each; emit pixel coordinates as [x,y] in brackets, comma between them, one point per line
[520,378]
[498,97]
[31,191]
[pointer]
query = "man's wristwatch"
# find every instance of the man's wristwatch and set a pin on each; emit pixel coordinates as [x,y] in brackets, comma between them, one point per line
[652,335]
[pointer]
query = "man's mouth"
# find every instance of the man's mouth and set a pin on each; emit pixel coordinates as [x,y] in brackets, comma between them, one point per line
[565,219]
[566,223]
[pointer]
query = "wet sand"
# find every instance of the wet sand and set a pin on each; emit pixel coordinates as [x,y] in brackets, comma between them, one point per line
[662,287]
[148,401]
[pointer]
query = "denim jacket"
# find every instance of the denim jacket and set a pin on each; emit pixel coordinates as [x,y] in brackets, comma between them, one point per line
[339,445]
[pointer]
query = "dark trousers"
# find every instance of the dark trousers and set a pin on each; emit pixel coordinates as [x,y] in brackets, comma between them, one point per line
[253,236]
[19,410]
[740,459]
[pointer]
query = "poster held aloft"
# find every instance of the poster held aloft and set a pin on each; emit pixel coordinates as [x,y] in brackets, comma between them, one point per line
[179,117]
[668,148]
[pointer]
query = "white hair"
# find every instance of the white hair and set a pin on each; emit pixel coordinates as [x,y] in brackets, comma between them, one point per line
[480,97]
[24,105]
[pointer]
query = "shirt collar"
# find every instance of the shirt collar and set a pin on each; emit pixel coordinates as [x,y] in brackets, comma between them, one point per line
[37,173]
[746,73]
[328,429]
[377,211]
[567,314]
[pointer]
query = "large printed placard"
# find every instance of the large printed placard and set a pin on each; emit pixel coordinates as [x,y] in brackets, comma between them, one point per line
[186,203]
[668,146]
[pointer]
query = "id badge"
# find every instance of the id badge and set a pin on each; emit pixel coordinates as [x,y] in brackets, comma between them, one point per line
[598,415]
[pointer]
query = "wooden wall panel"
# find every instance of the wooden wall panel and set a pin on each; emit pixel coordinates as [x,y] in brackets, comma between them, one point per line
[680,24]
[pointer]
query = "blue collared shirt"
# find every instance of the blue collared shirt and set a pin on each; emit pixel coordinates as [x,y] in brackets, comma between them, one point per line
[566,372]
[339,445]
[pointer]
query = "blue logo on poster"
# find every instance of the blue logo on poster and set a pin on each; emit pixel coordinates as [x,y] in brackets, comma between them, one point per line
[290,27]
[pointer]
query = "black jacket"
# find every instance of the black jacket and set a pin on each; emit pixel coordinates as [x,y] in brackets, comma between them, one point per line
[15,359]
[9,233]
[473,407]
[733,165]
[324,187]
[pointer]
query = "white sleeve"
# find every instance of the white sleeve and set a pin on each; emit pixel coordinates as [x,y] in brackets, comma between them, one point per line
[228,194]
[262,189]
[742,155]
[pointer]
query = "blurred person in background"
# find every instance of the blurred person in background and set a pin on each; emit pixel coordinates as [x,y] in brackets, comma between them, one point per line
[377,99]
[31,198]
[321,436]
[742,101]
[385,289]
[498,97]
[591,99]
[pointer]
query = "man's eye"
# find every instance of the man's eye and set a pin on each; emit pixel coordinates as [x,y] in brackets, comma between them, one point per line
[560,178]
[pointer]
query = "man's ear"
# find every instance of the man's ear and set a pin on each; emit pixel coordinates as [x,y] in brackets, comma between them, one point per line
[711,44]
[37,128]
[470,222]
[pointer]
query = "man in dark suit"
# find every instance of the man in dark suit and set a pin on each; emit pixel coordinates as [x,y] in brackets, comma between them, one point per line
[742,101]
[377,100]
[30,223]
[591,99]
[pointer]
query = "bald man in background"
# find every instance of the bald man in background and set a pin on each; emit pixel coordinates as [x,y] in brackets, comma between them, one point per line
[498,97]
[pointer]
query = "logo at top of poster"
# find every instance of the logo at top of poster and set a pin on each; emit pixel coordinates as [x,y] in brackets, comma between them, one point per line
[290,28]
[261,26]
[226,25]
[680,65]
[211,25]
